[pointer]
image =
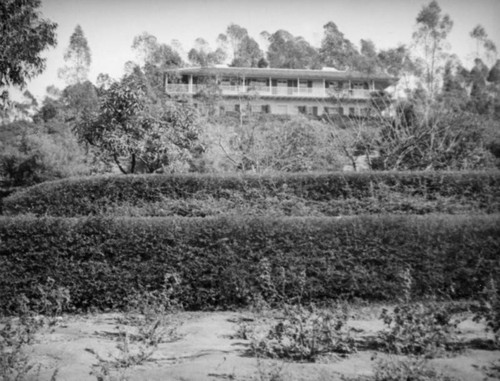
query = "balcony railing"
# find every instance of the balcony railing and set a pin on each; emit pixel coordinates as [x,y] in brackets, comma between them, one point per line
[277,91]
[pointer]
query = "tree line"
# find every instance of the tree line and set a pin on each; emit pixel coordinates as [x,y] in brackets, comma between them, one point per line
[133,125]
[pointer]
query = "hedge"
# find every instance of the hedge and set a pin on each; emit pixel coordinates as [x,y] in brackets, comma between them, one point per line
[342,193]
[223,262]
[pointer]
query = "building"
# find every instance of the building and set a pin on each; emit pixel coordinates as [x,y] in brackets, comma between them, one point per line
[278,91]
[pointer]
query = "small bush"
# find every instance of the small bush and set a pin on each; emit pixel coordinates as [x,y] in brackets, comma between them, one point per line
[418,329]
[304,334]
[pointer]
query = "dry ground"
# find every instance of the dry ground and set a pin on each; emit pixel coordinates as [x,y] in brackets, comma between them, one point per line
[205,347]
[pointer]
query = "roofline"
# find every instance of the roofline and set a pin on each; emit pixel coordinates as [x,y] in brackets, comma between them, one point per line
[281,73]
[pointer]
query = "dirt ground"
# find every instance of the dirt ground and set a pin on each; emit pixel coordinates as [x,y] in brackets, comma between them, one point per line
[205,347]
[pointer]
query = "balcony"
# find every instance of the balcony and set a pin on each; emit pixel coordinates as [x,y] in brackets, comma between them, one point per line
[273,91]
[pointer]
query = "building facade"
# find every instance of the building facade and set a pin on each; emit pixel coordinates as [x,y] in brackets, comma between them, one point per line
[278,91]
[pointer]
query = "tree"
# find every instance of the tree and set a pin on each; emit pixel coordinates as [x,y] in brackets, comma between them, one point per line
[23,36]
[244,50]
[154,59]
[78,59]
[137,134]
[482,40]
[287,51]
[399,63]
[336,50]
[430,36]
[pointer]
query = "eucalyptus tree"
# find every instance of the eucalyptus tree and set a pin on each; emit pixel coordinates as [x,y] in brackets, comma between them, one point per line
[430,36]
[24,35]
[77,58]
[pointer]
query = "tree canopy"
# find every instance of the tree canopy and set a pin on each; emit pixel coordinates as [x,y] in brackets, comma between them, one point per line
[24,34]
[77,57]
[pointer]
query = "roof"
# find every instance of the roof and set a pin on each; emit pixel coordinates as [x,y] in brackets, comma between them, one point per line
[281,73]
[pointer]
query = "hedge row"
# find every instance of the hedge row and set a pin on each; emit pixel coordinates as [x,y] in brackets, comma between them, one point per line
[99,195]
[223,262]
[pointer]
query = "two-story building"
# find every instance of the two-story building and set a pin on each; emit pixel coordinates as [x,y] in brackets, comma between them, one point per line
[280,91]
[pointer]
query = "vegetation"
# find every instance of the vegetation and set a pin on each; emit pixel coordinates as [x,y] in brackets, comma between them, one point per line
[217,259]
[297,194]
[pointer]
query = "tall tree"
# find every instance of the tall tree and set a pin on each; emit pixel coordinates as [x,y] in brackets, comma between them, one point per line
[290,52]
[482,41]
[78,59]
[244,51]
[399,63]
[24,34]
[432,30]
[336,50]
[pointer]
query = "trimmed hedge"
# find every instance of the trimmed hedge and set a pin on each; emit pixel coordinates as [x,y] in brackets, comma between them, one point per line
[220,261]
[341,193]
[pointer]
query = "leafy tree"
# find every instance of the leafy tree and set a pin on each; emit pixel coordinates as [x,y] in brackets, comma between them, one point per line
[399,63]
[31,153]
[23,36]
[336,50]
[432,30]
[245,51]
[77,57]
[154,57]
[137,134]
[482,41]
[455,82]
[202,55]
[287,51]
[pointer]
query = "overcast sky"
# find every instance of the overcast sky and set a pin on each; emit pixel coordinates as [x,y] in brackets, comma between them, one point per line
[111,25]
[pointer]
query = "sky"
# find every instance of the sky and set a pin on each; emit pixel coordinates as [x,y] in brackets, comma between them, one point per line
[111,25]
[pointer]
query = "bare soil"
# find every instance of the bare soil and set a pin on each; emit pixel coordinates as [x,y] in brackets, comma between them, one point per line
[206,347]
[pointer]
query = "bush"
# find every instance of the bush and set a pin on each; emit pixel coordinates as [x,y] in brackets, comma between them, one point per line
[103,261]
[322,193]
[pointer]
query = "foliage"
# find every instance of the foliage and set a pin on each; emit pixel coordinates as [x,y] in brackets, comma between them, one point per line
[414,369]
[135,133]
[418,329]
[328,194]
[489,306]
[305,334]
[25,34]
[444,140]
[290,52]
[264,145]
[218,260]
[77,58]
[336,50]
[430,35]
[33,153]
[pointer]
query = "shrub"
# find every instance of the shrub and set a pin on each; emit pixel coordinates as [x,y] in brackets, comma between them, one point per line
[219,261]
[328,193]
[305,334]
[418,329]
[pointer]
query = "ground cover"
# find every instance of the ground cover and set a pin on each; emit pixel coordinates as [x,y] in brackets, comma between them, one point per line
[192,346]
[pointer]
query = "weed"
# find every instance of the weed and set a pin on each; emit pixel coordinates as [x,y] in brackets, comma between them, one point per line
[149,312]
[418,329]
[129,356]
[402,369]
[18,333]
[414,369]
[304,334]
[489,308]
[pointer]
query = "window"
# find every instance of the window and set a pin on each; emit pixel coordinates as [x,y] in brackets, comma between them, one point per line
[237,108]
[302,109]
[265,109]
